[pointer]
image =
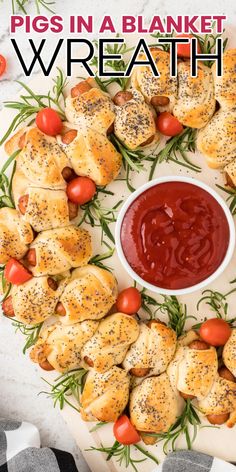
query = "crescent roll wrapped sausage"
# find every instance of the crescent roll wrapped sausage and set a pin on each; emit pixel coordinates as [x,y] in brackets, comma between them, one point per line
[229,353]
[35,300]
[110,343]
[15,235]
[154,406]
[91,154]
[89,107]
[194,367]
[225,86]
[90,294]
[61,345]
[134,123]
[217,141]
[105,395]
[151,353]
[57,250]
[42,208]
[196,103]
[220,404]
[41,159]
[161,91]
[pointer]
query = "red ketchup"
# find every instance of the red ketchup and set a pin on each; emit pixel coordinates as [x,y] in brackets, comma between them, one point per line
[174,235]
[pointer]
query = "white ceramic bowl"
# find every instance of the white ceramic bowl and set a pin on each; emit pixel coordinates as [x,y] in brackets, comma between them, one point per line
[206,281]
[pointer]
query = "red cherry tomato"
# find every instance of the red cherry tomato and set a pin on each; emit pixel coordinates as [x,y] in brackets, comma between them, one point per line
[15,273]
[49,122]
[168,125]
[183,50]
[81,190]
[129,301]
[125,432]
[215,331]
[3,64]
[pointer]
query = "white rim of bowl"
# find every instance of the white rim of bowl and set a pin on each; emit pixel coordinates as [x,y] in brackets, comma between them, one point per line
[205,282]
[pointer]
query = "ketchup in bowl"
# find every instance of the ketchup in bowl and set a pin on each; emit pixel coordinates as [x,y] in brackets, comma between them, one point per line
[174,235]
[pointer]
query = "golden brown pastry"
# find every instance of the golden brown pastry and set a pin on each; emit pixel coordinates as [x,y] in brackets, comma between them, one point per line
[42,208]
[151,353]
[134,123]
[225,86]
[41,160]
[194,367]
[91,154]
[195,104]
[91,109]
[217,141]
[15,235]
[57,250]
[105,395]
[35,300]
[90,294]
[161,91]
[229,353]
[154,406]
[220,401]
[110,343]
[61,345]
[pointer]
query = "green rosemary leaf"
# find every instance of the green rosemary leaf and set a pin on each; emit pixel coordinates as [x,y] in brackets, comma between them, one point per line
[97,426]
[31,333]
[218,303]
[98,258]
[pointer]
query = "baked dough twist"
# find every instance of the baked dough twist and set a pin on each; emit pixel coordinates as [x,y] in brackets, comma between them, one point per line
[225,86]
[15,235]
[229,353]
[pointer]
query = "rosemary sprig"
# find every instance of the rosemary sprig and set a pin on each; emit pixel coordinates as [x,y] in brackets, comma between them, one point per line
[67,385]
[175,151]
[176,312]
[97,426]
[165,47]
[6,286]
[31,103]
[6,199]
[218,304]
[208,44]
[98,258]
[119,65]
[148,302]
[188,418]
[31,333]
[231,197]
[123,454]
[98,215]
[20,5]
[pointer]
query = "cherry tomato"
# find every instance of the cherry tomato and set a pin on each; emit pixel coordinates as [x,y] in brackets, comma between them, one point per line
[215,331]
[168,125]
[183,50]
[125,432]
[49,122]
[129,301]
[81,190]
[15,273]
[3,64]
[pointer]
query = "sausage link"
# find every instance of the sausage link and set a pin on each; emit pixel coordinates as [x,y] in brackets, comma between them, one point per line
[60,309]
[45,365]
[159,101]
[139,372]
[22,141]
[186,396]
[110,129]
[73,210]
[31,257]
[149,141]
[7,307]
[69,136]
[52,283]
[226,374]
[122,97]
[80,88]
[88,361]
[229,181]
[68,174]
[198,345]
[23,203]
[218,419]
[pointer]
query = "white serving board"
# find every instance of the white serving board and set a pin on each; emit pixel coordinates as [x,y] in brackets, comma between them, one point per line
[215,441]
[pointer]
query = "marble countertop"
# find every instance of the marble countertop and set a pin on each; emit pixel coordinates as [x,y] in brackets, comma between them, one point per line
[20,381]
